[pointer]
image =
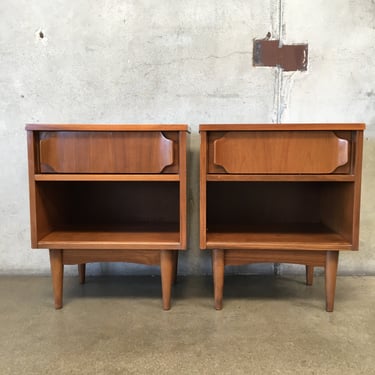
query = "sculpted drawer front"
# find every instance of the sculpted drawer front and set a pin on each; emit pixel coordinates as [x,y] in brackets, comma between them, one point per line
[279,152]
[108,152]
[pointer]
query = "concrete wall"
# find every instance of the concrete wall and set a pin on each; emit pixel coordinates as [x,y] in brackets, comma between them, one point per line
[177,61]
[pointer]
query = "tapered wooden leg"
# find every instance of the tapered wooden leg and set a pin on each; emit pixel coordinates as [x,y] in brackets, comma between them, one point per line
[175,264]
[166,269]
[309,274]
[332,258]
[218,275]
[57,272]
[82,273]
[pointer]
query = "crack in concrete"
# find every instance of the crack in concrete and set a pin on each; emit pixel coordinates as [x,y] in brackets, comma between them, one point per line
[186,59]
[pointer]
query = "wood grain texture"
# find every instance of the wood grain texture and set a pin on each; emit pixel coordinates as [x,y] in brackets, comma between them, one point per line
[106,177]
[239,257]
[218,276]
[167,275]
[183,190]
[203,192]
[105,152]
[337,210]
[293,152]
[79,256]
[57,273]
[110,239]
[330,278]
[281,127]
[280,177]
[286,193]
[107,127]
[108,193]
[277,236]
[32,157]
[117,214]
[357,161]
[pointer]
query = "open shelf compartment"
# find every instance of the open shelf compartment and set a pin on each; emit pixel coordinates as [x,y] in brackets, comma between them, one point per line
[280,215]
[108,215]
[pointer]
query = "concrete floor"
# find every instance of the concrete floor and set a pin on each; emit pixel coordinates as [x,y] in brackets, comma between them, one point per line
[115,325]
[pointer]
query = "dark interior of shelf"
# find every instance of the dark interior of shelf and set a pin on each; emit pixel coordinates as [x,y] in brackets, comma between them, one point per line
[107,206]
[281,209]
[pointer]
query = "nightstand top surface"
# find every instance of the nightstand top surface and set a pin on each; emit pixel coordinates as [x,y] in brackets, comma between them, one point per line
[277,127]
[107,127]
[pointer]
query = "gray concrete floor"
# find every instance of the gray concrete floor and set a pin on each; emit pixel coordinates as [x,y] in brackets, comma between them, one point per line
[115,325]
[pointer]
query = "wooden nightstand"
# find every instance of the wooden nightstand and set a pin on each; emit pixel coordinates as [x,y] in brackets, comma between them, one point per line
[280,193]
[106,193]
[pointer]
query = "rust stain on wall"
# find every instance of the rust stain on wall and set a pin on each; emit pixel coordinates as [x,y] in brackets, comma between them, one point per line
[289,57]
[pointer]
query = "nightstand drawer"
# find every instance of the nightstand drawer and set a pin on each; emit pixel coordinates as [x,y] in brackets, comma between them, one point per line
[108,152]
[279,152]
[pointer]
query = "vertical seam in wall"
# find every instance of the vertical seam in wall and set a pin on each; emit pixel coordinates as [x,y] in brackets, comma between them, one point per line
[278,91]
[280,18]
[279,71]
